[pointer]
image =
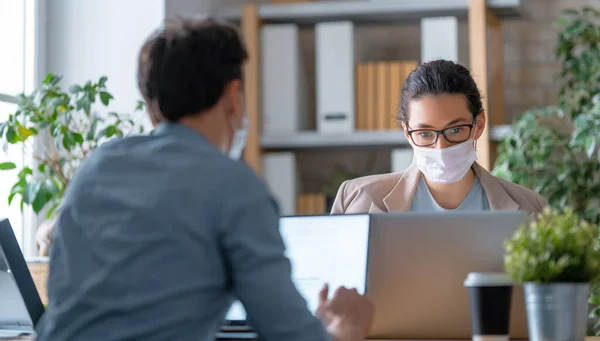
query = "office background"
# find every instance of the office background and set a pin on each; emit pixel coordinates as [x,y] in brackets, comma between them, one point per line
[83,40]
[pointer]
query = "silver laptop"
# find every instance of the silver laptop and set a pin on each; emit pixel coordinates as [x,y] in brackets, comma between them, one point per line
[20,304]
[321,249]
[417,266]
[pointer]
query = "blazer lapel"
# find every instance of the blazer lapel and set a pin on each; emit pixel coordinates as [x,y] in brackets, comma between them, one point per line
[496,194]
[375,209]
[400,197]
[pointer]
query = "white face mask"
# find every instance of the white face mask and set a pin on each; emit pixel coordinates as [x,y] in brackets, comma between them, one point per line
[238,142]
[448,165]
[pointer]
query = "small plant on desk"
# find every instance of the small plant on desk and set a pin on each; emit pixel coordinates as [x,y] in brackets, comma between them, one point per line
[557,258]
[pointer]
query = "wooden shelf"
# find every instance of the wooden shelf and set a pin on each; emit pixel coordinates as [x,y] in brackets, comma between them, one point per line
[359,139]
[369,11]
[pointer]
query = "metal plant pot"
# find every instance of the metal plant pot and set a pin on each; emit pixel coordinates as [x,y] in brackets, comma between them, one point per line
[557,312]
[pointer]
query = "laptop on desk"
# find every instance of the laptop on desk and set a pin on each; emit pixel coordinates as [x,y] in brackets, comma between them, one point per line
[321,249]
[411,265]
[417,266]
[20,304]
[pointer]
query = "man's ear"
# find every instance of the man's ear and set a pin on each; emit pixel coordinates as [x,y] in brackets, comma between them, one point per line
[480,125]
[233,96]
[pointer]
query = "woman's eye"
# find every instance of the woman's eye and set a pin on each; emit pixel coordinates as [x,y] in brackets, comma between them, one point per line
[425,134]
[456,130]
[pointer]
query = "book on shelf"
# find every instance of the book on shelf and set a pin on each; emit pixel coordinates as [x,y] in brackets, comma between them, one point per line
[378,90]
[310,204]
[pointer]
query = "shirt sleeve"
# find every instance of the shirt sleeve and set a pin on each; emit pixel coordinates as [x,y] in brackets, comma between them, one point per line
[261,273]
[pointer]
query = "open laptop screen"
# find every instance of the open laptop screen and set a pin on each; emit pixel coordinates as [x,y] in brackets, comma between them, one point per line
[322,249]
[20,307]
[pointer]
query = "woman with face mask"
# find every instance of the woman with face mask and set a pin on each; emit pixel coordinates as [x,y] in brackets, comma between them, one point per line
[442,115]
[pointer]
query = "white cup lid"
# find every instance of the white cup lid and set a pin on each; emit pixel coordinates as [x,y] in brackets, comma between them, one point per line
[488,279]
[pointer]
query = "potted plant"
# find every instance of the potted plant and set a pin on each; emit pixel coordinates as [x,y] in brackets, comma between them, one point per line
[555,150]
[67,129]
[556,258]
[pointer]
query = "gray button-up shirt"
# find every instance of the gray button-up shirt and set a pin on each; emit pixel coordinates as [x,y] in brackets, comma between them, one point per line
[157,236]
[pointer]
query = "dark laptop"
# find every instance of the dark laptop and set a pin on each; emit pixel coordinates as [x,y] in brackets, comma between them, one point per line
[20,305]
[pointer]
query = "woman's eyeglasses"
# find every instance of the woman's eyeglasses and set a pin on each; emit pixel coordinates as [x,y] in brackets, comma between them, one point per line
[428,137]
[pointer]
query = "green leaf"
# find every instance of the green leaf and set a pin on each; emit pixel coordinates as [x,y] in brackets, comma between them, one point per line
[68,140]
[87,107]
[102,81]
[75,89]
[41,199]
[31,191]
[42,168]
[78,138]
[11,197]
[11,135]
[107,132]
[24,172]
[49,79]
[92,131]
[24,133]
[140,105]
[52,209]
[7,166]
[590,145]
[105,97]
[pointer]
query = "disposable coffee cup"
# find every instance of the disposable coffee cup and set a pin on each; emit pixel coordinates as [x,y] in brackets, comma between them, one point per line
[490,296]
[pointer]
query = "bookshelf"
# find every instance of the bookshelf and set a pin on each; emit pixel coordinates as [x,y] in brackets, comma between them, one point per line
[485,44]
[365,11]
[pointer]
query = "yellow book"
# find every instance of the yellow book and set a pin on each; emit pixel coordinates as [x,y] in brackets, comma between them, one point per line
[396,80]
[361,99]
[371,107]
[383,112]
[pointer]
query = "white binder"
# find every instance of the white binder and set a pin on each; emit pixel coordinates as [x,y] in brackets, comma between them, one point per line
[283,80]
[439,39]
[335,76]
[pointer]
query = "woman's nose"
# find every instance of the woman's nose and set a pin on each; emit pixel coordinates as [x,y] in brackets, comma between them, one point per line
[441,143]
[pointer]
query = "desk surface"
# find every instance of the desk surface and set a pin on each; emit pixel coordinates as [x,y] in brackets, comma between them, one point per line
[28,338]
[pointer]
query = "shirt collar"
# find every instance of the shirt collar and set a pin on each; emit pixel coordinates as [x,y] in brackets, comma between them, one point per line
[178,131]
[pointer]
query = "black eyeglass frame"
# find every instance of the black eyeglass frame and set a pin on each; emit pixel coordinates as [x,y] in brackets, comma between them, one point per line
[441,132]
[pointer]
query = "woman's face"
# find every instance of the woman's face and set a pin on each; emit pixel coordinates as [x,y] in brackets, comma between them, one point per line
[449,113]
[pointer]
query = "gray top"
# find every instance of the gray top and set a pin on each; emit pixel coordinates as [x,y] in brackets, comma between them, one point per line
[423,201]
[157,236]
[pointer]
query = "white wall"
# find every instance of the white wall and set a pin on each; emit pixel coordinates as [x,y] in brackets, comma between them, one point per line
[91,38]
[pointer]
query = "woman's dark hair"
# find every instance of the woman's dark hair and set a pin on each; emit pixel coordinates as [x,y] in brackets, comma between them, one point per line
[184,67]
[435,78]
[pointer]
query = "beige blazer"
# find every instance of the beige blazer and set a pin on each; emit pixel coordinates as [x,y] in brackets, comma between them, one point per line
[394,192]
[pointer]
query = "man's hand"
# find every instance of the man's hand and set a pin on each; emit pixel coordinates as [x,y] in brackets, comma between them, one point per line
[348,316]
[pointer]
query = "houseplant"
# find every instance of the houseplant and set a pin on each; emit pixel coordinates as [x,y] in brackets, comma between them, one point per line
[58,129]
[556,258]
[555,150]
